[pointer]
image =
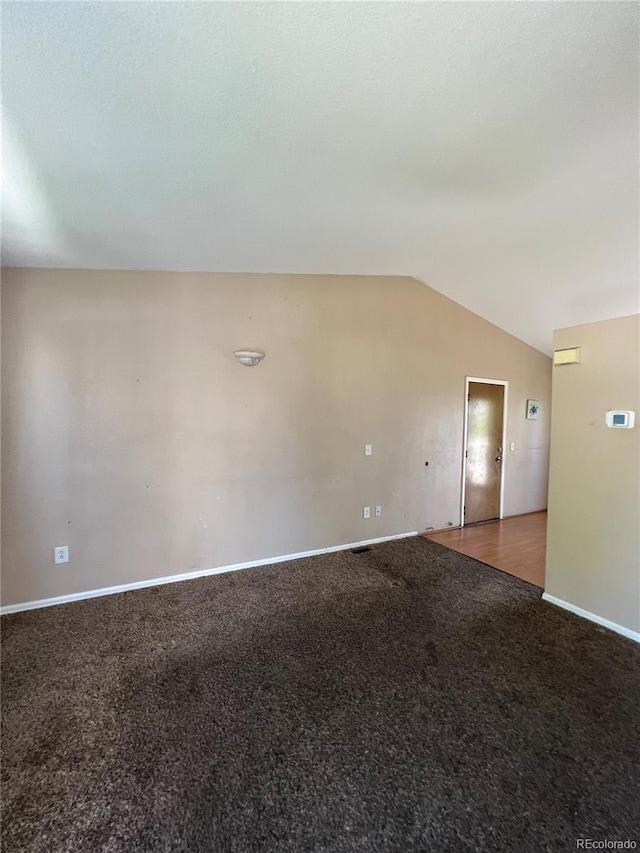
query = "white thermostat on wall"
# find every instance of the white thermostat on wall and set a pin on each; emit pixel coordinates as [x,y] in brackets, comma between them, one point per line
[621,420]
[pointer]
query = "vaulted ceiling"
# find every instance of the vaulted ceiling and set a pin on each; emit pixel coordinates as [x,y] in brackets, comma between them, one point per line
[488,149]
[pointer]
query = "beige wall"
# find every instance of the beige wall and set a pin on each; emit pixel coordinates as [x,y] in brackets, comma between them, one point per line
[133,436]
[593,550]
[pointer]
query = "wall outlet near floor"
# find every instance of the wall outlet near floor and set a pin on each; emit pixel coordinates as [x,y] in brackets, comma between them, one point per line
[513,445]
[368,449]
[61,554]
[367,512]
[378,511]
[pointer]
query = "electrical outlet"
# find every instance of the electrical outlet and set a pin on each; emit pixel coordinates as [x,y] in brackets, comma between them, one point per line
[378,511]
[513,445]
[367,512]
[61,554]
[368,449]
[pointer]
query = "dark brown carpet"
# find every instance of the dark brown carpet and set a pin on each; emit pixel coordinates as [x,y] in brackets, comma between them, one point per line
[403,699]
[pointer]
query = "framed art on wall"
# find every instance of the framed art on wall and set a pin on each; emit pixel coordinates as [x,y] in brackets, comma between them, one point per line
[533,407]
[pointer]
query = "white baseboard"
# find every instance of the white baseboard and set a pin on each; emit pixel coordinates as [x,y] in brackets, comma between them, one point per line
[613,626]
[431,530]
[187,576]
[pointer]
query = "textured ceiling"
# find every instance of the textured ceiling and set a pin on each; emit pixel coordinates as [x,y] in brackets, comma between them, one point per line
[489,149]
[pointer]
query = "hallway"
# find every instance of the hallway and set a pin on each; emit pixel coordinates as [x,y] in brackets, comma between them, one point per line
[515,545]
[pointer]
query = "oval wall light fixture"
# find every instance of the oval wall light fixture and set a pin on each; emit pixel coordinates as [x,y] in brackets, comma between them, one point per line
[249,357]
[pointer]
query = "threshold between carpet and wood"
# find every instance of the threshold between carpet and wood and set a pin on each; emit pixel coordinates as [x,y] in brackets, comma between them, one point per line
[404,698]
[517,545]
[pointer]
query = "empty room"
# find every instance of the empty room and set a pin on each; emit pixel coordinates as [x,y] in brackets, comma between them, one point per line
[320,437]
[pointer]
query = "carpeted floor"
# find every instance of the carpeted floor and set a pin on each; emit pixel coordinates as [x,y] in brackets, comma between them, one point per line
[402,699]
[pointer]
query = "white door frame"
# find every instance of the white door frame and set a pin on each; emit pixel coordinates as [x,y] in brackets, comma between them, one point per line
[464,439]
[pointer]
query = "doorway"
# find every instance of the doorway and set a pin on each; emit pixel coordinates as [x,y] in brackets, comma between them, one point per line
[484,438]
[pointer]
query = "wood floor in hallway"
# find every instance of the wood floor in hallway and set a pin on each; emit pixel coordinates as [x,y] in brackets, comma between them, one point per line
[516,545]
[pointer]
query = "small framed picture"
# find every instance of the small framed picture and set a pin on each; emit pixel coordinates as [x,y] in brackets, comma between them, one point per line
[533,407]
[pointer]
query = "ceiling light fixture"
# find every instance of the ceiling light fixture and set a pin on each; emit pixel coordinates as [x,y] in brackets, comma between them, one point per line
[249,357]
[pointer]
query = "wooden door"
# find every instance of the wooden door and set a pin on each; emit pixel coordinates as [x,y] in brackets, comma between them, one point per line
[484,452]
